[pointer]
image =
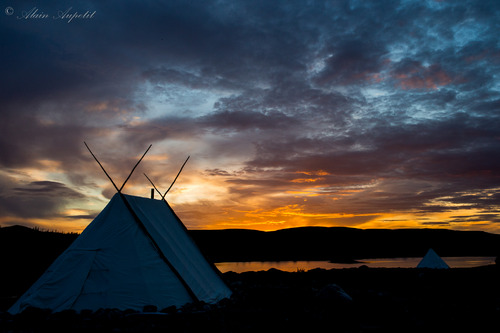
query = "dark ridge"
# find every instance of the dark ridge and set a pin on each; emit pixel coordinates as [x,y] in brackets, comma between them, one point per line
[37,248]
[25,253]
[341,244]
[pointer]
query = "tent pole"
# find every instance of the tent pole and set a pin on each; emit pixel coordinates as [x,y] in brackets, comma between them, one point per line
[153,187]
[135,166]
[111,180]
[182,167]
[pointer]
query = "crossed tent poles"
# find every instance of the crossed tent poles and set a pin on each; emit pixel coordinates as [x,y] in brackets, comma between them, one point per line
[119,190]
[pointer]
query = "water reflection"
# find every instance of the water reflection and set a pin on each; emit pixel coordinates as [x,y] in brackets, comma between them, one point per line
[293,266]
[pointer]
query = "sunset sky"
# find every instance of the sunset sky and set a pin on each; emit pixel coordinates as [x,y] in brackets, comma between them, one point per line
[366,114]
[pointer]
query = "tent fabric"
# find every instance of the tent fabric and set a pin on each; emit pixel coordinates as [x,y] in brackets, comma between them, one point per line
[114,264]
[432,260]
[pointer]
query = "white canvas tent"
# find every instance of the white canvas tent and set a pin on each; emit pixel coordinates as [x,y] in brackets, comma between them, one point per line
[432,260]
[115,264]
[136,252]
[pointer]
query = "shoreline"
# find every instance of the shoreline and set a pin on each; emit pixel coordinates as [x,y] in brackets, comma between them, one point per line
[305,265]
[353,300]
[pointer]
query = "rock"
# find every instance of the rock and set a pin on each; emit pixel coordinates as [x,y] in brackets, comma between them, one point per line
[333,293]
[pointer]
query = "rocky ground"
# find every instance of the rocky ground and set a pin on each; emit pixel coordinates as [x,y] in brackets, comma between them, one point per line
[339,300]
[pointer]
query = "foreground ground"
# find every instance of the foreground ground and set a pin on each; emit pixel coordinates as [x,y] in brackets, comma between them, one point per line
[339,300]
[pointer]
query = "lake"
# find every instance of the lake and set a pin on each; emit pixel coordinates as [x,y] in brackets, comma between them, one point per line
[293,266]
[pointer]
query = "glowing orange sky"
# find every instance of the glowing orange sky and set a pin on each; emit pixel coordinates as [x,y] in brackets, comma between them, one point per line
[208,202]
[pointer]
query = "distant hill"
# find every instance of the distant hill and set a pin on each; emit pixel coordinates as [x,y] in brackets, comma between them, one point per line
[25,254]
[341,244]
[37,248]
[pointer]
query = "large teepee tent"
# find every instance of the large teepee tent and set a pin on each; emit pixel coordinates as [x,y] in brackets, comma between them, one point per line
[135,253]
[432,260]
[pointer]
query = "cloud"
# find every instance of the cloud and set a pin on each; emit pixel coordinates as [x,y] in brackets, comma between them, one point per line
[27,139]
[244,120]
[493,218]
[415,76]
[351,62]
[217,172]
[37,199]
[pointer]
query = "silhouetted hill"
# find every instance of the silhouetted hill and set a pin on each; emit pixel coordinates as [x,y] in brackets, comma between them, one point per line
[341,244]
[26,253]
[35,249]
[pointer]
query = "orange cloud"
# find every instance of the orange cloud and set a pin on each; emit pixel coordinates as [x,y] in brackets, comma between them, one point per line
[306,180]
[422,77]
[377,77]
[314,173]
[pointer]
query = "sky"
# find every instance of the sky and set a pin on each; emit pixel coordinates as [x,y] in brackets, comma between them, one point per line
[365,114]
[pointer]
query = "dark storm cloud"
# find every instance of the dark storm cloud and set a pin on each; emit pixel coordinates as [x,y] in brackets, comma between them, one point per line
[35,200]
[57,85]
[436,223]
[351,62]
[476,218]
[46,188]
[25,140]
[241,120]
[143,134]
[86,72]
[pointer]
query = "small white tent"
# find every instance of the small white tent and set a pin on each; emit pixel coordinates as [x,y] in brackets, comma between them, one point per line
[135,253]
[432,260]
